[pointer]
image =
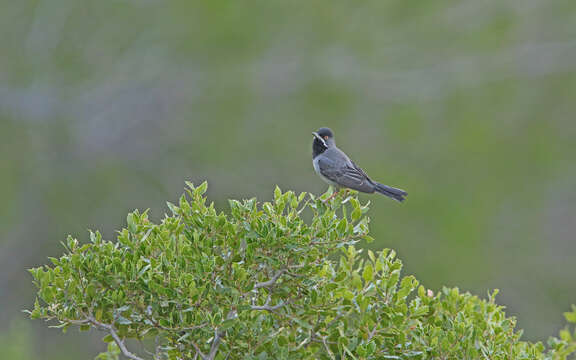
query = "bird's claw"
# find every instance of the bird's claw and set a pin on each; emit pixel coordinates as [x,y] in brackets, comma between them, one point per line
[334,195]
[330,197]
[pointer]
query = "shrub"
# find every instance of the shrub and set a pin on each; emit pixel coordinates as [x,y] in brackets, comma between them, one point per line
[263,283]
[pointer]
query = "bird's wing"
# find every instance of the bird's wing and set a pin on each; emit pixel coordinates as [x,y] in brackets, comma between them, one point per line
[345,175]
[359,169]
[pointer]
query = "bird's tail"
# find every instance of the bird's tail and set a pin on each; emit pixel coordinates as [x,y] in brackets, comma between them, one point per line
[396,194]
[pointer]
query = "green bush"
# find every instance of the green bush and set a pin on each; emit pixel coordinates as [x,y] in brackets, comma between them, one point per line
[264,283]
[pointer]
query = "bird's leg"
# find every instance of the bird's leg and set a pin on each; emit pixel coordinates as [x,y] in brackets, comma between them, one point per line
[336,191]
[331,196]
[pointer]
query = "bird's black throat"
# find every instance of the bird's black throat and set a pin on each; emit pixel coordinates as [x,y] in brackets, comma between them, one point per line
[318,147]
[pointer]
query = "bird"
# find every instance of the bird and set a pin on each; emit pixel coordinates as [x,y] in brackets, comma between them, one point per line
[336,168]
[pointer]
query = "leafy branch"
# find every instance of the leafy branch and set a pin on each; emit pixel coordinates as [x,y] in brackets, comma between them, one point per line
[261,281]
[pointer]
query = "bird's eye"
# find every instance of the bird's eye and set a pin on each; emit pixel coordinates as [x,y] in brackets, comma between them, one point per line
[326,137]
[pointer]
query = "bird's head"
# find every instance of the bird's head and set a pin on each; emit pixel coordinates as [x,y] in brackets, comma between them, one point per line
[323,139]
[325,136]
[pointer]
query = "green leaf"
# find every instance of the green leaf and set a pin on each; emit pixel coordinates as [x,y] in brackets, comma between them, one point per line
[303,323]
[356,214]
[368,273]
[123,321]
[357,281]
[421,311]
[571,316]
[227,324]
[108,338]
[341,228]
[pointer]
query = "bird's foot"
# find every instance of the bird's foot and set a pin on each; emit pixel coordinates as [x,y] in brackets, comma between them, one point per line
[325,201]
[334,195]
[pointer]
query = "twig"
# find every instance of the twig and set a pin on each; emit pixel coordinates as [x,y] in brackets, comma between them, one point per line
[267,305]
[338,317]
[306,341]
[330,353]
[215,344]
[116,338]
[372,333]
[146,235]
[270,282]
[218,338]
[267,338]
[198,351]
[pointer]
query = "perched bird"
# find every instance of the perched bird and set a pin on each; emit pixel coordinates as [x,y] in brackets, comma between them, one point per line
[336,168]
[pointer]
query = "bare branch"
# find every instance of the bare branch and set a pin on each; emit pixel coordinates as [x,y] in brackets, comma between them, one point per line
[115,336]
[267,307]
[270,282]
[296,266]
[198,351]
[372,333]
[218,338]
[305,342]
[330,353]
[267,338]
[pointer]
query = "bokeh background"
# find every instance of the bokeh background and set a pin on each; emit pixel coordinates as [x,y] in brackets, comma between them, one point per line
[110,105]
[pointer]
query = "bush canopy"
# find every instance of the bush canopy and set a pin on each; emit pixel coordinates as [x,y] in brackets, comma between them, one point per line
[277,280]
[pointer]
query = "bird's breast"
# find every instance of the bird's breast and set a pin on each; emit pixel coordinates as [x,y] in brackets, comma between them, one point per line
[319,172]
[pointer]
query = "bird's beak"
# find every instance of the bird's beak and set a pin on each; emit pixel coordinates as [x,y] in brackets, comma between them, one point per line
[319,138]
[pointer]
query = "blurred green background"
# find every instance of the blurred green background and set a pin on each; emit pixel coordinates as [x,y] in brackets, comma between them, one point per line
[110,105]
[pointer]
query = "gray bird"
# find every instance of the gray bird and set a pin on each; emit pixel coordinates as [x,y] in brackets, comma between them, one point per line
[336,168]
